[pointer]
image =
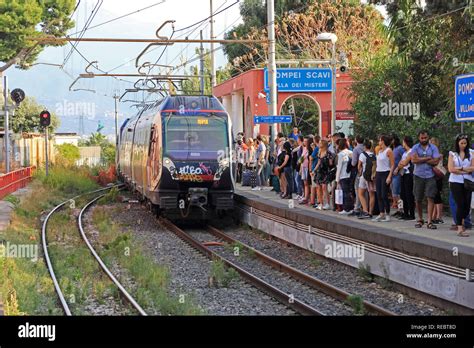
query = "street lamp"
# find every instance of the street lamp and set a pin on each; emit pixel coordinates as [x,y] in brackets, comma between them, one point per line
[333,39]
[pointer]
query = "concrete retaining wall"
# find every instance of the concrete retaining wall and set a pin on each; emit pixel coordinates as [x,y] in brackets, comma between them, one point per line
[440,285]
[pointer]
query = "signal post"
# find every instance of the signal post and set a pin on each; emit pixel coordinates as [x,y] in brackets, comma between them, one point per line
[45,121]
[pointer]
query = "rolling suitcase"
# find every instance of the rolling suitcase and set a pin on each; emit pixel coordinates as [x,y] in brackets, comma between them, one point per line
[253,178]
[246,175]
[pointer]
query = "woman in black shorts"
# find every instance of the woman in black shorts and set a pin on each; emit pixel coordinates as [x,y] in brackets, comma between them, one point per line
[325,173]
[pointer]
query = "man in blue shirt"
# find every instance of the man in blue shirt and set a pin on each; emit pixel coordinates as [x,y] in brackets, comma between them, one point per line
[425,156]
[295,134]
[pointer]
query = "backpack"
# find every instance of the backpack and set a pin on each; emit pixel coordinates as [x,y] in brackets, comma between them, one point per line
[370,166]
[294,160]
[349,165]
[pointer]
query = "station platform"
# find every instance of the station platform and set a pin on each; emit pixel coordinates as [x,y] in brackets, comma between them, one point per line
[442,244]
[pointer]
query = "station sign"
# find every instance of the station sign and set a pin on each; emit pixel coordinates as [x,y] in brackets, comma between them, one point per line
[272,119]
[302,79]
[464,98]
[345,115]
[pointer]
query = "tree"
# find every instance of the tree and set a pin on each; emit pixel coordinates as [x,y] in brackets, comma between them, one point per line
[23,19]
[26,117]
[305,114]
[67,154]
[417,70]
[359,28]
[254,16]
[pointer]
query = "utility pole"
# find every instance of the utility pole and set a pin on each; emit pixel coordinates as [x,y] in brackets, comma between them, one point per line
[116,97]
[6,137]
[333,92]
[201,70]
[46,156]
[213,68]
[272,107]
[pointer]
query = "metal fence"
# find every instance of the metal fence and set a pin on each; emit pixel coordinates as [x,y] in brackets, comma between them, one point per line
[15,180]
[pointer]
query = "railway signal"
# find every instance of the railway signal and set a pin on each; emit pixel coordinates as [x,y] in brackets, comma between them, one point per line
[17,95]
[45,118]
[45,121]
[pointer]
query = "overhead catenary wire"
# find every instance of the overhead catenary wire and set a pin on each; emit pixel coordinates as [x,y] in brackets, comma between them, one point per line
[120,17]
[196,57]
[205,19]
[75,9]
[190,32]
[196,25]
[88,22]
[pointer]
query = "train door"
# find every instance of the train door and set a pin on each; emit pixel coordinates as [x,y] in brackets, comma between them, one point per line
[154,156]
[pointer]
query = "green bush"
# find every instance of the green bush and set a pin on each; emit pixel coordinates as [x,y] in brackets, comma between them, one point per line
[222,276]
[110,197]
[357,304]
[67,154]
[12,199]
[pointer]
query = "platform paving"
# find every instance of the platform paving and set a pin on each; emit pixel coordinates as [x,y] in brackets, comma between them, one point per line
[6,209]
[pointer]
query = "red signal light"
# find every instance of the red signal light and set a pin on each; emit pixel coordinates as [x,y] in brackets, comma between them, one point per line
[45,119]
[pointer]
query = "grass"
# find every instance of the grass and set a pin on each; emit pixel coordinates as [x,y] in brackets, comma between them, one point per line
[221,276]
[25,286]
[151,278]
[70,181]
[251,253]
[12,199]
[357,304]
[315,261]
[364,272]
[109,197]
[384,281]
[236,248]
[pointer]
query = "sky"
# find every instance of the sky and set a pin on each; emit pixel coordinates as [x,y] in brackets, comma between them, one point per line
[50,85]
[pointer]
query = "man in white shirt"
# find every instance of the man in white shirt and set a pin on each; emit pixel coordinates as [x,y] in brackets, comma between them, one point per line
[343,177]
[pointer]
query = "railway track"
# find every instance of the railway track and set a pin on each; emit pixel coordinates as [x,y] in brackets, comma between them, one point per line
[294,301]
[205,248]
[303,277]
[49,264]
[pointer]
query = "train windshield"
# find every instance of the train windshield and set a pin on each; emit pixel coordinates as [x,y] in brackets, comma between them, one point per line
[195,137]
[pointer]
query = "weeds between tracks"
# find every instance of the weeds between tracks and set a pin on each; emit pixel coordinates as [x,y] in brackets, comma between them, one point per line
[117,246]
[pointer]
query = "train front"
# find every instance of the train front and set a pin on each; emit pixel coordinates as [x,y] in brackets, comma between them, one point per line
[197,175]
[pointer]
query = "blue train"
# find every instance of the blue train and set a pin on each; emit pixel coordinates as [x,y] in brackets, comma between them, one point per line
[176,155]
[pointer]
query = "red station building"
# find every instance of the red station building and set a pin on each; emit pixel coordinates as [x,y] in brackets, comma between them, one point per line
[243,98]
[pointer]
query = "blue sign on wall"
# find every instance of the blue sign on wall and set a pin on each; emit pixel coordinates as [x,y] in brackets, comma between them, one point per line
[464,98]
[271,119]
[302,79]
